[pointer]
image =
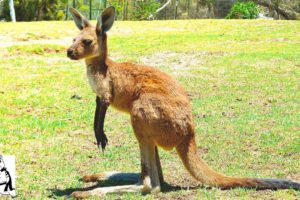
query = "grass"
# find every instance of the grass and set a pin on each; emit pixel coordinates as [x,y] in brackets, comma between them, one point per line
[243,78]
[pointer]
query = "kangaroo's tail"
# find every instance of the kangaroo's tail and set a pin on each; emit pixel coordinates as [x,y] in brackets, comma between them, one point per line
[187,151]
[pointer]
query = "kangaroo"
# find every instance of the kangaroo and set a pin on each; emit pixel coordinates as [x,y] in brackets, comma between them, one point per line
[160,112]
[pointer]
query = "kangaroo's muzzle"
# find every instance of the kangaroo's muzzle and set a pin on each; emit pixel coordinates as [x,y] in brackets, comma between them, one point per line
[71,53]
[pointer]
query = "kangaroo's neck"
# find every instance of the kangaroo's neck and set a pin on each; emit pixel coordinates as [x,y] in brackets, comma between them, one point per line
[103,47]
[99,63]
[96,64]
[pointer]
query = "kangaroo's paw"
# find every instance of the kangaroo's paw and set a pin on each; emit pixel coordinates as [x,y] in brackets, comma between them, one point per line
[113,176]
[100,192]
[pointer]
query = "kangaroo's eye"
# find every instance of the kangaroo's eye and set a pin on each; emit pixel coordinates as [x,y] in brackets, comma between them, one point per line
[87,42]
[74,39]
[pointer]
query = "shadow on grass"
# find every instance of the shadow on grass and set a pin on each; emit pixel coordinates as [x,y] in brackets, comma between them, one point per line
[115,181]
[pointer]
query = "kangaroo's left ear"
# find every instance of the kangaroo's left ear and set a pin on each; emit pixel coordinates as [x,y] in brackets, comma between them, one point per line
[106,20]
[80,21]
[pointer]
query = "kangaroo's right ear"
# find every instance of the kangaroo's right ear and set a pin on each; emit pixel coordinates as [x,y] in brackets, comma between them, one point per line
[106,20]
[80,21]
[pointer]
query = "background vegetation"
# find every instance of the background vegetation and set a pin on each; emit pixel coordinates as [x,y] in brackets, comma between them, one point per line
[243,10]
[36,10]
[242,77]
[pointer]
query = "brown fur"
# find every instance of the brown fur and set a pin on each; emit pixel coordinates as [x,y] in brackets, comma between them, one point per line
[160,113]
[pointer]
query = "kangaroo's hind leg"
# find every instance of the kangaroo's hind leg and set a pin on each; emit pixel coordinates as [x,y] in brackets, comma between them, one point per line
[160,173]
[123,176]
[149,177]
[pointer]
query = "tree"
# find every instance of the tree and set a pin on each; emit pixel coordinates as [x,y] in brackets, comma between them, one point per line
[159,9]
[12,11]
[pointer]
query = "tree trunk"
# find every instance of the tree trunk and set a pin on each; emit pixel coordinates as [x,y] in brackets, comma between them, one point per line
[38,15]
[188,8]
[176,7]
[36,10]
[12,11]
[90,3]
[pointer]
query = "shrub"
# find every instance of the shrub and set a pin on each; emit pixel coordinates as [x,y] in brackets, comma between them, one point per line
[31,10]
[143,9]
[119,6]
[243,10]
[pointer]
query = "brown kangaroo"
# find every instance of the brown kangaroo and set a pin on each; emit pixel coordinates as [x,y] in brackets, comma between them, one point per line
[160,114]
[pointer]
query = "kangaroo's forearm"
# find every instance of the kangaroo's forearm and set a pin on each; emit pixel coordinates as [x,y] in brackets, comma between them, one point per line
[96,117]
[99,118]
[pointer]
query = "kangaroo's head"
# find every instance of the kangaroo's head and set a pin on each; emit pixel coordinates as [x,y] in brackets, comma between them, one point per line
[91,41]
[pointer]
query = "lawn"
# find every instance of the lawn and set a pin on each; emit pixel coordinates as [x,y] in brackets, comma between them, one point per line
[243,78]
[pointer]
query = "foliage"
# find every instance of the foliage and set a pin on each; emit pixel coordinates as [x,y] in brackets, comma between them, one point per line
[137,10]
[143,9]
[35,10]
[31,10]
[1,9]
[243,10]
[119,6]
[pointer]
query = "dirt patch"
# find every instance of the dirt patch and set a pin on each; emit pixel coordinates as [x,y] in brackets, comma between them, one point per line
[53,50]
[30,36]
[121,31]
[35,50]
[180,61]
[7,41]
[177,61]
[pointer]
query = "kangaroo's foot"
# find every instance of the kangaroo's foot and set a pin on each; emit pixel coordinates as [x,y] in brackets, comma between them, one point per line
[143,186]
[99,192]
[113,176]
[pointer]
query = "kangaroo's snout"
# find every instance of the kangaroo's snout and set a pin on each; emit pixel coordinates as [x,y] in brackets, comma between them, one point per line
[71,54]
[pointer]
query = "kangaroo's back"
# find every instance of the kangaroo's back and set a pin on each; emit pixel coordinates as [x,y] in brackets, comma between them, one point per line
[130,81]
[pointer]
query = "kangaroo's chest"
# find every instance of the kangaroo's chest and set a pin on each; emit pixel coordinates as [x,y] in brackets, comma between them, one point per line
[100,84]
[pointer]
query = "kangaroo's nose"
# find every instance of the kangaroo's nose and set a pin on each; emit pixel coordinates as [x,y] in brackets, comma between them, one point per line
[70,52]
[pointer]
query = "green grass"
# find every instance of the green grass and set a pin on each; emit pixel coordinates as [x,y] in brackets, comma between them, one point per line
[243,78]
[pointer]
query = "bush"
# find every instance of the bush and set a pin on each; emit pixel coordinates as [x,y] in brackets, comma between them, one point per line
[243,10]
[143,9]
[119,6]
[31,10]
